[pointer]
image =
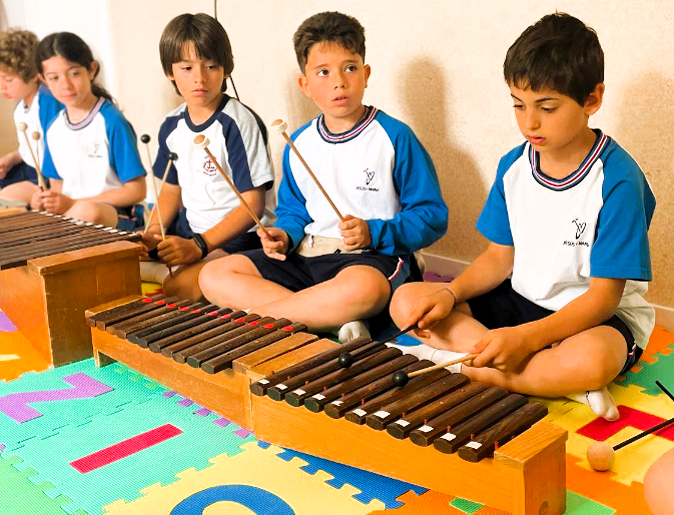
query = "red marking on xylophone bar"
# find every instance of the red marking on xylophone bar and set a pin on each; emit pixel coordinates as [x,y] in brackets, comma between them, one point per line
[254,322]
[147,300]
[160,302]
[228,315]
[183,308]
[268,326]
[287,328]
[125,448]
[240,319]
[196,311]
[212,313]
[171,305]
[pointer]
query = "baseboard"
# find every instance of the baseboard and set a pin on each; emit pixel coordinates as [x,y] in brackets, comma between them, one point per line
[664,316]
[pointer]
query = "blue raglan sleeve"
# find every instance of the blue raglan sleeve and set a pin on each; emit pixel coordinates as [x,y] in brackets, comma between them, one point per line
[621,249]
[494,223]
[291,211]
[124,156]
[422,219]
[49,108]
[48,168]
[160,162]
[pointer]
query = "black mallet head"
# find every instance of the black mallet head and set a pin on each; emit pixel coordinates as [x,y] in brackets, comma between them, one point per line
[173,156]
[400,378]
[145,139]
[345,360]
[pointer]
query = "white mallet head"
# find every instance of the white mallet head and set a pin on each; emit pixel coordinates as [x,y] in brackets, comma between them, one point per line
[278,126]
[22,126]
[201,141]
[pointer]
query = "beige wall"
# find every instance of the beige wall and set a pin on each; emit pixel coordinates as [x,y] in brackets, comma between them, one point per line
[437,66]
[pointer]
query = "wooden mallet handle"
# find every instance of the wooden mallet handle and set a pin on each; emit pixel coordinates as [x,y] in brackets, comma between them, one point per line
[202,142]
[468,357]
[279,126]
[40,179]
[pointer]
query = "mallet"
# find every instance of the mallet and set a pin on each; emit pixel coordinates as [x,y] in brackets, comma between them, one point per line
[279,127]
[40,179]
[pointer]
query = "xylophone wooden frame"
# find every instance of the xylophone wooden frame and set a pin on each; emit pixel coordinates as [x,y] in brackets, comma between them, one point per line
[46,298]
[527,476]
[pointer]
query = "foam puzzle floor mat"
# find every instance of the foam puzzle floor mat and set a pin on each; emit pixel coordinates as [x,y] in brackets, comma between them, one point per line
[85,440]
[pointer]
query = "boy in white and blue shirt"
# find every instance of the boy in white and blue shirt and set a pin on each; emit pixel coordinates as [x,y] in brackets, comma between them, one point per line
[328,271]
[554,306]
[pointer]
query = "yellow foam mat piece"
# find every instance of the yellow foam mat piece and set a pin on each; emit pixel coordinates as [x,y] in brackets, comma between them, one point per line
[306,494]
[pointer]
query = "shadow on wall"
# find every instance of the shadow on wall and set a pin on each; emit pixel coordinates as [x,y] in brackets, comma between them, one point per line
[3,17]
[424,100]
[646,117]
[301,109]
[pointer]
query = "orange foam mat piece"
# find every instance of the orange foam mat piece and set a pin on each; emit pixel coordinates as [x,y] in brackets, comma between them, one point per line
[18,356]
[598,486]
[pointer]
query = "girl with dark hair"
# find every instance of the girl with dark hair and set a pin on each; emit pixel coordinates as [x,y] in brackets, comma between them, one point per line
[91,155]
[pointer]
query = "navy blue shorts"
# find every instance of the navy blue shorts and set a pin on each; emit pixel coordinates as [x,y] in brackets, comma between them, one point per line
[181,227]
[19,173]
[298,273]
[504,307]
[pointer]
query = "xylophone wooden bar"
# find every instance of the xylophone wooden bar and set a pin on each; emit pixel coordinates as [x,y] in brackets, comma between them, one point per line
[226,392]
[472,409]
[161,337]
[39,296]
[502,432]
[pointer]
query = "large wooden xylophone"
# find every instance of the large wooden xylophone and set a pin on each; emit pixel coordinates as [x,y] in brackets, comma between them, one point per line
[241,365]
[52,268]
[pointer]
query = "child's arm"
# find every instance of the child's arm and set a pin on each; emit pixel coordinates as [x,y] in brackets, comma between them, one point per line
[422,219]
[169,204]
[291,211]
[175,251]
[505,348]
[8,161]
[486,272]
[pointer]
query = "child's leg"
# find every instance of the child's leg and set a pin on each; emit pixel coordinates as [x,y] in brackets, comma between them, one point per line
[20,191]
[355,293]
[658,485]
[234,281]
[586,361]
[95,212]
[184,283]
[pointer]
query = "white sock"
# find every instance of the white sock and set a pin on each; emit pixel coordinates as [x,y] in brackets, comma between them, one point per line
[352,330]
[153,272]
[600,401]
[437,356]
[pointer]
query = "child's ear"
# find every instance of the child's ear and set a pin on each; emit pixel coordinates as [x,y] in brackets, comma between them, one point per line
[368,71]
[304,85]
[93,70]
[593,102]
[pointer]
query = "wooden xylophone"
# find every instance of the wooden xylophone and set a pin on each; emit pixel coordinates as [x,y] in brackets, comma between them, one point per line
[52,268]
[240,365]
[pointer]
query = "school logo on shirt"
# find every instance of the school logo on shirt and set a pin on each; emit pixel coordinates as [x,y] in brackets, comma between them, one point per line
[209,168]
[95,150]
[580,229]
[369,177]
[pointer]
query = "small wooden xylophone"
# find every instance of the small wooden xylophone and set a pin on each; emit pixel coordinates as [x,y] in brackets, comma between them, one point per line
[52,268]
[241,365]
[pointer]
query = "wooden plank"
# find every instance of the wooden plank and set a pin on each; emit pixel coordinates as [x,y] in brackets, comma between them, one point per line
[510,487]
[308,345]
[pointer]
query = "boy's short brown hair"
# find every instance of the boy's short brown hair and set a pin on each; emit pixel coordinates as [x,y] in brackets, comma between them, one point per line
[558,52]
[330,27]
[206,34]
[17,53]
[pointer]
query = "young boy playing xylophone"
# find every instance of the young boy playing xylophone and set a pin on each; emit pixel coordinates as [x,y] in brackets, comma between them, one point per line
[202,213]
[555,304]
[36,108]
[327,273]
